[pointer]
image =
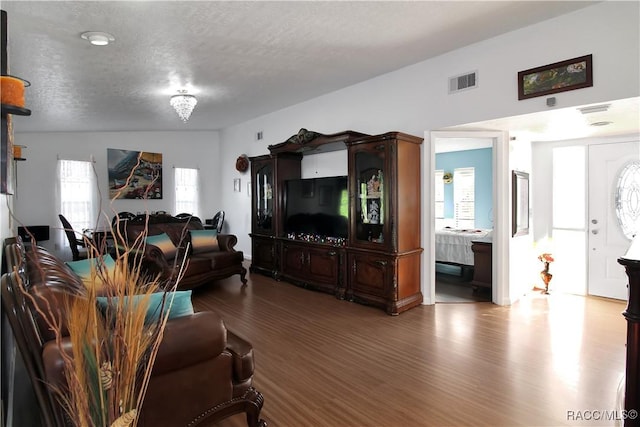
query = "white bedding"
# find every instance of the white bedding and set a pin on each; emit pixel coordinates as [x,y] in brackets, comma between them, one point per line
[454,246]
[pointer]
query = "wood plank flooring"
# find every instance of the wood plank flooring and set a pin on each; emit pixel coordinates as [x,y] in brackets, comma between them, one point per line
[321,361]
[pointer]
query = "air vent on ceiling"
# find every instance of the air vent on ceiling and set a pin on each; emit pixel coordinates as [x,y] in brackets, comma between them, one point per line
[463,82]
[600,108]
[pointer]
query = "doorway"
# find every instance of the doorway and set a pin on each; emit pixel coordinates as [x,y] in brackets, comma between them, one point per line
[497,212]
[576,218]
[463,215]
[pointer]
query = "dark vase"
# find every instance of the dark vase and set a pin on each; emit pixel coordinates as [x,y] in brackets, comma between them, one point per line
[546,277]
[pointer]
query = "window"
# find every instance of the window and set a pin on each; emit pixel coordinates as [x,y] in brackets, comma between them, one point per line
[78,193]
[628,199]
[464,197]
[567,193]
[187,192]
[439,198]
[568,198]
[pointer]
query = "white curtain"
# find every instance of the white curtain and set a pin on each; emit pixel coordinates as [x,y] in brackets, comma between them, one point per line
[187,192]
[77,195]
[464,197]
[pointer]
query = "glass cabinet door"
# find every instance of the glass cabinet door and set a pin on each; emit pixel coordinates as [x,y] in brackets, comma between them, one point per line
[370,209]
[263,188]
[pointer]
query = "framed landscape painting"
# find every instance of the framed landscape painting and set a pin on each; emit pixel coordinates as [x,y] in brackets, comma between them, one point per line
[561,76]
[134,174]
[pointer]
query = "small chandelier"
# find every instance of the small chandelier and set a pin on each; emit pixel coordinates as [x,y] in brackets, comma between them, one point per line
[183,104]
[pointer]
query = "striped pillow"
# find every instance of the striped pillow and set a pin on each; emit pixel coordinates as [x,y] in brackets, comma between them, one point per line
[87,268]
[164,243]
[204,241]
[178,303]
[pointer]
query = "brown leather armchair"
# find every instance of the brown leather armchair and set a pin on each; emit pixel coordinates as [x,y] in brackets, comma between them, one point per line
[202,372]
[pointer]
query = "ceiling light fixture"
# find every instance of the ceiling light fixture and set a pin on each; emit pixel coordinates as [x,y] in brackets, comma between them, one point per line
[602,123]
[184,104]
[98,38]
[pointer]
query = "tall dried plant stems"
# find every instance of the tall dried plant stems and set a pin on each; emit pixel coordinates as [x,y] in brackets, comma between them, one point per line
[113,352]
[109,368]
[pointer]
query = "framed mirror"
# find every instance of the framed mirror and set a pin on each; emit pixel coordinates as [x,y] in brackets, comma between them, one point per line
[520,203]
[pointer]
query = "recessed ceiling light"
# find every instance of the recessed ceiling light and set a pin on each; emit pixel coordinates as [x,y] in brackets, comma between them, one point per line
[98,38]
[603,123]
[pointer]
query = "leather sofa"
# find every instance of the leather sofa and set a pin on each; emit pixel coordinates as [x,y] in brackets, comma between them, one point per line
[202,373]
[200,268]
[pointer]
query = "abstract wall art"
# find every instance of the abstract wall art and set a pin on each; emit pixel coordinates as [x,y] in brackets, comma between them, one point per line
[134,174]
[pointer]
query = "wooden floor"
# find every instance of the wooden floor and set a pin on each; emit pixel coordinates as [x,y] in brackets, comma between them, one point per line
[325,362]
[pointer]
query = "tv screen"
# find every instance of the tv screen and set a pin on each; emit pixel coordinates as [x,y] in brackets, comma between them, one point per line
[317,206]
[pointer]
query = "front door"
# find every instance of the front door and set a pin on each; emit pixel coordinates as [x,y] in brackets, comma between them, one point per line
[606,241]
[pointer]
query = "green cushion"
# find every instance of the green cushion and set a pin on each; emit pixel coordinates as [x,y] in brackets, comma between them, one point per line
[178,303]
[83,269]
[164,243]
[204,241]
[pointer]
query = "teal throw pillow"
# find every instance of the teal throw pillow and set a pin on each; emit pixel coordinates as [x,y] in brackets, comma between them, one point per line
[204,241]
[83,269]
[178,303]
[164,243]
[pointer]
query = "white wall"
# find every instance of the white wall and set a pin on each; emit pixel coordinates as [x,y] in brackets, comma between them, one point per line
[522,258]
[35,201]
[6,221]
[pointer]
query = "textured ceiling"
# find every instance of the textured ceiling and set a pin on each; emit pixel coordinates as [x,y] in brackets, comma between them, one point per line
[241,59]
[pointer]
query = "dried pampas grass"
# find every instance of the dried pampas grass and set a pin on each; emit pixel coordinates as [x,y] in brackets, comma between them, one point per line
[113,351]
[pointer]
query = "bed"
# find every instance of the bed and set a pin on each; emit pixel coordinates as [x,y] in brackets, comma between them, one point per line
[454,246]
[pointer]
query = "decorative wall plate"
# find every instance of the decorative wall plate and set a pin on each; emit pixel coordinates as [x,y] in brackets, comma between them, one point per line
[242,163]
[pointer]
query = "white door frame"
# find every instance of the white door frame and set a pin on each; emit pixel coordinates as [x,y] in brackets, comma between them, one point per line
[501,213]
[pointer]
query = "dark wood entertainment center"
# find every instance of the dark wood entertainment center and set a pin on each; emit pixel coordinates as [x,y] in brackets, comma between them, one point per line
[378,263]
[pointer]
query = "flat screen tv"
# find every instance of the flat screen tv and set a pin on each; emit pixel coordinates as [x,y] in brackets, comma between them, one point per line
[317,206]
